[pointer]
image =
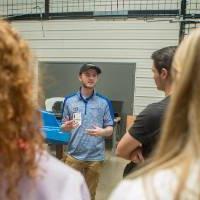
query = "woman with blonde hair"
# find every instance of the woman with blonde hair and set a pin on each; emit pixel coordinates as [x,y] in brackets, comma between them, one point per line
[174,172]
[28,172]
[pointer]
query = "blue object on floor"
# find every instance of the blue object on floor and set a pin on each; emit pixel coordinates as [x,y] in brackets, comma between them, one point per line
[51,129]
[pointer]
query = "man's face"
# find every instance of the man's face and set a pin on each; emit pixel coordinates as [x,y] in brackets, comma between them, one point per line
[157,78]
[89,78]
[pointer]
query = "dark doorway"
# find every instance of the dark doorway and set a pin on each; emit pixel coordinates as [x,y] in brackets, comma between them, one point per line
[116,82]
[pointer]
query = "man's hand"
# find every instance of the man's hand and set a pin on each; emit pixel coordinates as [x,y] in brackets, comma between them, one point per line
[69,125]
[137,156]
[97,131]
[127,146]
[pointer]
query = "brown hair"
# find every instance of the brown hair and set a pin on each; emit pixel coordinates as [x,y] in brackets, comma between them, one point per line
[20,124]
[180,138]
[163,58]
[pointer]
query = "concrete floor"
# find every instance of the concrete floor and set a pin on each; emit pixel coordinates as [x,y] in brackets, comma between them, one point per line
[110,176]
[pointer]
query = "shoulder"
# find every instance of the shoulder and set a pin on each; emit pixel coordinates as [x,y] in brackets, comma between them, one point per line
[129,190]
[103,98]
[57,173]
[70,97]
[156,185]
[158,106]
[54,180]
[154,110]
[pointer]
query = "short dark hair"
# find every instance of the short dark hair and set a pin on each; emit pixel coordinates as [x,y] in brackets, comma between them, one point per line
[163,58]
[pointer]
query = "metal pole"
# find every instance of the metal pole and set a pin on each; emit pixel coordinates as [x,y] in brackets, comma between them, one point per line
[46,9]
[183,15]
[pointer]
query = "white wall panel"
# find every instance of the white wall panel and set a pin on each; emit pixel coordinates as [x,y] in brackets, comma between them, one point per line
[145,82]
[95,53]
[129,41]
[147,92]
[100,35]
[109,44]
[104,24]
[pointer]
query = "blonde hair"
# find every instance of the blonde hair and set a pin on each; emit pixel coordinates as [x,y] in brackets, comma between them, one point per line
[19,119]
[180,137]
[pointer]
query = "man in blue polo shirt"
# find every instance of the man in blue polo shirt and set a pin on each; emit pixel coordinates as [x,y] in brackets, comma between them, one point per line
[89,117]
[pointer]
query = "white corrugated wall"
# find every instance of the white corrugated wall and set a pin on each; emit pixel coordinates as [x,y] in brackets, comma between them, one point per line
[128,41]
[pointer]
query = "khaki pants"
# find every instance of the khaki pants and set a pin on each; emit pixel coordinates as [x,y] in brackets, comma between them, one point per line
[89,169]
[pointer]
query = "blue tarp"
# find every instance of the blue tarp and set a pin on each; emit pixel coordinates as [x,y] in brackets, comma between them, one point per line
[51,129]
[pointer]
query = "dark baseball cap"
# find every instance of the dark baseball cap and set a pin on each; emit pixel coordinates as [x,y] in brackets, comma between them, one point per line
[88,66]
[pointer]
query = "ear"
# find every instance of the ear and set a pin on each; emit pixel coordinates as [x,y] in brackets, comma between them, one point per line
[164,73]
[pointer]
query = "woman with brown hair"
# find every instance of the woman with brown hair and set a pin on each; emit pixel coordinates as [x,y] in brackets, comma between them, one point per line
[27,171]
[174,172]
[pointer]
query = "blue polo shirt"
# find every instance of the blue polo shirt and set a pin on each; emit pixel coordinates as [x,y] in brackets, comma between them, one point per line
[95,110]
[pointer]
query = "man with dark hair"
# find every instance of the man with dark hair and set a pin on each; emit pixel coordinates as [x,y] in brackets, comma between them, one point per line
[89,117]
[139,141]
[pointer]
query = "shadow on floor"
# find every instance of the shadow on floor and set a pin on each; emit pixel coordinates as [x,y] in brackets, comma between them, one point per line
[110,176]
